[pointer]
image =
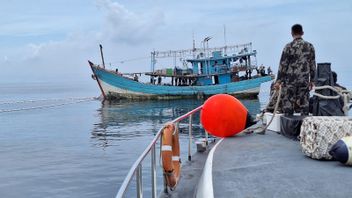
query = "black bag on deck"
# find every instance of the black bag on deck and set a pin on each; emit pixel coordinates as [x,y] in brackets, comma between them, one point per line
[320,106]
[290,126]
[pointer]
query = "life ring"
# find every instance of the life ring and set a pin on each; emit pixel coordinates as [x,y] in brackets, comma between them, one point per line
[170,153]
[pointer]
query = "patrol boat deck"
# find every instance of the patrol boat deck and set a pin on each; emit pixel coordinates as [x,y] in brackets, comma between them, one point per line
[251,165]
[271,165]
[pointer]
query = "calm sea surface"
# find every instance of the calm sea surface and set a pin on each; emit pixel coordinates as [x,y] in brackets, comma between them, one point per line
[57,141]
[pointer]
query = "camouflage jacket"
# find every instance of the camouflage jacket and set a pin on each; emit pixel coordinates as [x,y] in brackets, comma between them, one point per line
[297,64]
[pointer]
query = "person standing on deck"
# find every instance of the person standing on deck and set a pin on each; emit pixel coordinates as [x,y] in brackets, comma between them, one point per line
[269,71]
[296,73]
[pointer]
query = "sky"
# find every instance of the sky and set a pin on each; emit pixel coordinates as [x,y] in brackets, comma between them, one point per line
[51,40]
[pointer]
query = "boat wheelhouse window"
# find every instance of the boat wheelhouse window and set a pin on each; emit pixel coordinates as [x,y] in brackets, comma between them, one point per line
[215,79]
[200,67]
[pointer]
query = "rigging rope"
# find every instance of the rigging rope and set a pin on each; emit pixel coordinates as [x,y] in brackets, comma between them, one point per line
[129,60]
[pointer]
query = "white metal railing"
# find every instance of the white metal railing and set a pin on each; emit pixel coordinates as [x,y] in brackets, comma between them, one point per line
[136,169]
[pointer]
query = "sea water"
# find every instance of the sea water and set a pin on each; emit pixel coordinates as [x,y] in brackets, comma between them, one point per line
[57,140]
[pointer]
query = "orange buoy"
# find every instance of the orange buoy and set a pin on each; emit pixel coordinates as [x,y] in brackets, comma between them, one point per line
[223,115]
[170,154]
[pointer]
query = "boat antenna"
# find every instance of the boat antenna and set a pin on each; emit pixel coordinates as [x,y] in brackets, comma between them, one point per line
[102,56]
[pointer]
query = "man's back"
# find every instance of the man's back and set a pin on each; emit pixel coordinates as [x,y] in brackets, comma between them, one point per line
[296,73]
[297,63]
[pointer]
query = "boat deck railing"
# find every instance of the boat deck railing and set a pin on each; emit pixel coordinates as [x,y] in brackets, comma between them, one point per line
[136,169]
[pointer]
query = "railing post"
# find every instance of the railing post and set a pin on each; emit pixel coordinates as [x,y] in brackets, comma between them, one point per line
[206,137]
[139,181]
[190,138]
[153,165]
[165,184]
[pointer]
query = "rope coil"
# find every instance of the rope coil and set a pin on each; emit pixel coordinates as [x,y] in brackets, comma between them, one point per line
[345,94]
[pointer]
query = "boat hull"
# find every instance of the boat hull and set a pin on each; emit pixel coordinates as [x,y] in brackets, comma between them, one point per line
[115,86]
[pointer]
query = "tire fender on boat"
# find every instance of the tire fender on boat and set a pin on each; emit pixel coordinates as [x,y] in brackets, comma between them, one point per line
[170,154]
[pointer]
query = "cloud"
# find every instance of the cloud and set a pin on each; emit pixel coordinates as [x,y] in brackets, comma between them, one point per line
[120,25]
[50,57]
[123,25]
[73,44]
[54,43]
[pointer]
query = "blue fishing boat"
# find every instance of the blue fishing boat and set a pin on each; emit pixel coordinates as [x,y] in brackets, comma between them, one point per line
[205,71]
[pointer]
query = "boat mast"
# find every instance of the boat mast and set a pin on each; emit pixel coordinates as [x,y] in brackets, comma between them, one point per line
[152,61]
[174,60]
[249,57]
[225,40]
[206,52]
[102,55]
[206,69]
[194,45]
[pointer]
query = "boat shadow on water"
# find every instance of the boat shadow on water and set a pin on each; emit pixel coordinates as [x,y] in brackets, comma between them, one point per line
[124,120]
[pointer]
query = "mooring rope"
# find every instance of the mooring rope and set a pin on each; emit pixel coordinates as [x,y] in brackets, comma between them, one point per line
[78,100]
[250,130]
[40,100]
[275,110]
